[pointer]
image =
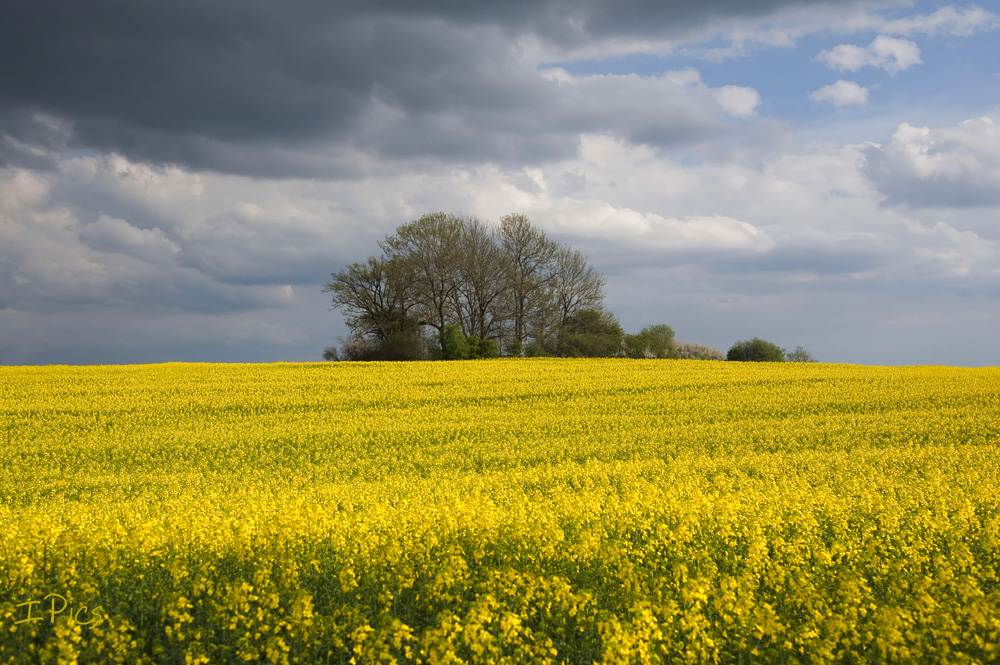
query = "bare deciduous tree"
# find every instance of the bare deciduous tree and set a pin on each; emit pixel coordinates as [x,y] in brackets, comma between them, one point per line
[574,285]
[430,248]
[482,281]
[501,285]
[375,296]
[529,257]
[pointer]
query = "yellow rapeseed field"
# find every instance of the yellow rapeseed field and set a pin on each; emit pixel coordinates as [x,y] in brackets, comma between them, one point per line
[509,511]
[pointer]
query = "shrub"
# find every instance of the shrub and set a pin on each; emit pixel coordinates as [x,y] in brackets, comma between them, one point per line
[692,351]
[799,355]
[535,349]
[482,348]
[651,342]
[454,345]
[401,346]
[591,333]
[756,350]
[358,347]
[330,353]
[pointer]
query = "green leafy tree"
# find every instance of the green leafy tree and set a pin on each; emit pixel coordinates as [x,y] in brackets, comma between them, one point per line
[756,350]
[482,348]
[656,341]
[535,349]
[454,345]
[591,333]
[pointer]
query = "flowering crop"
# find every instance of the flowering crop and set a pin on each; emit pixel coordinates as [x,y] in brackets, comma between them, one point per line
[509,511]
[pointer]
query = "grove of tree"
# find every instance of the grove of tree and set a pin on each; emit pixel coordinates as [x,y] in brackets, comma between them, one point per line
[451,286]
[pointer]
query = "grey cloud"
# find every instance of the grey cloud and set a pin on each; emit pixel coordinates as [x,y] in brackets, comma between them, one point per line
[291,89]
[28,138]
[109,265]
[111,235]
[77,338]
[842,259]
[237,253]
[571,23]
[104,235]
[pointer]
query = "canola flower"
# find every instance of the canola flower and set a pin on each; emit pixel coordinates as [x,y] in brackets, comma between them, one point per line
[509,511]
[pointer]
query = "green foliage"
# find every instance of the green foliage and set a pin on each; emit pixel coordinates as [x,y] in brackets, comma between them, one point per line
[482,348]
[358,348]
[535,349]
[397,346]
[756,350]
[401,346]
[799,355]
[454,345]
[591,333]
[656,341]
[515,348]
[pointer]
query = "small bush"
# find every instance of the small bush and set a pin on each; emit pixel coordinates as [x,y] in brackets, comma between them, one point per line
[692,351]
[401,346]
[330,353]
[799,355]
[591,333]
[482,348]
[358,348]
[756,350]
[454,345]
[651,342]
[535,349]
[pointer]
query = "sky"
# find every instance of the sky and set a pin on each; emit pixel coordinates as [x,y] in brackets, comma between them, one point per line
[179,179]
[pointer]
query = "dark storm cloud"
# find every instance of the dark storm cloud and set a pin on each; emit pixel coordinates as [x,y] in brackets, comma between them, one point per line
[28,139]
[571,23]
[302,88]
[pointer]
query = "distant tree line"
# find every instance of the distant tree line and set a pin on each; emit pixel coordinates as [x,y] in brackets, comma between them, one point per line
[759,350]
[452,287]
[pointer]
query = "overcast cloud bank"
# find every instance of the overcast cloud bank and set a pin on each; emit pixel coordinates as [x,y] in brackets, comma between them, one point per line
[178,180]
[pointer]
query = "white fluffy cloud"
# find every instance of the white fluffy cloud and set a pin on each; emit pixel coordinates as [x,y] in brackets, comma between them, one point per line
[736,100]
[950,21]
[955,166]
[842,93]
[673,108]
[891,54]
[215,265]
